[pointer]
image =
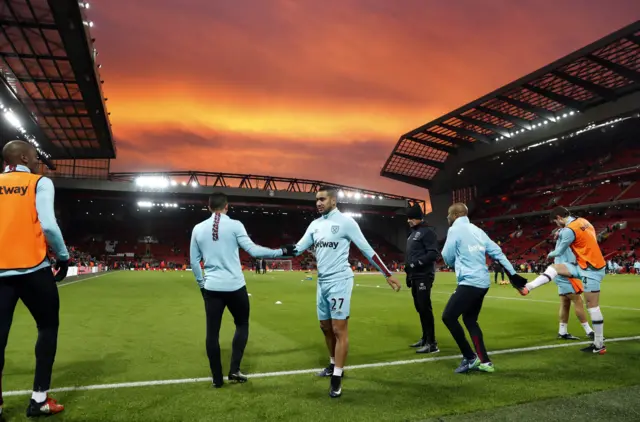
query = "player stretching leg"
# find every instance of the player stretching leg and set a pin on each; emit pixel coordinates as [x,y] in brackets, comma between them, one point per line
[570,290]
[579,235]
[331,235]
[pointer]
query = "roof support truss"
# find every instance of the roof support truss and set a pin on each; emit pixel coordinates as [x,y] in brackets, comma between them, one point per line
[425,161]
[486,125]
[599,90]
[541,112]
[615,67]
[466,132]
[426,143]
[522,123]
[559,98]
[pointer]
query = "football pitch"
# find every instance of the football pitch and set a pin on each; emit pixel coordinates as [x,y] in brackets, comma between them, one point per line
[133,327]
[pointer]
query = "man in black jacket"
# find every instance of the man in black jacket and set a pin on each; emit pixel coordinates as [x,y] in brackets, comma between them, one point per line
[420,265]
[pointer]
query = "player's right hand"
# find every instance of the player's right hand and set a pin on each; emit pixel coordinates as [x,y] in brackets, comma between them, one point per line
[62,267]
[288,250]
[395,284]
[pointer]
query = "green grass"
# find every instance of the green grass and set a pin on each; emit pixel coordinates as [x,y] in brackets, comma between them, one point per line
[126,326]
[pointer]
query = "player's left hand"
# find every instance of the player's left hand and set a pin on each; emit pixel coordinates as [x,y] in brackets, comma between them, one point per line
[517,280]
[288,250]
[62,267]
[395,284]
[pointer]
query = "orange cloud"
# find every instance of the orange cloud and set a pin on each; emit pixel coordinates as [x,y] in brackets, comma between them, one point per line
[315,89]
[183,149]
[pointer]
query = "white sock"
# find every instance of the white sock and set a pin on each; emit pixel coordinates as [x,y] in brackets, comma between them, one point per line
[332,360]
[39,396]
[563,329]
[337,372]
[587,327]
[598,325]
[549,274]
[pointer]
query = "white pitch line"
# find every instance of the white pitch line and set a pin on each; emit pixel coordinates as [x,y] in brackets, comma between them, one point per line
[546,301]
[309,371]
[622,308]
[83,279]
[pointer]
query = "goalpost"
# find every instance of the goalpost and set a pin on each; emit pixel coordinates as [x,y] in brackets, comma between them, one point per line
[279,264]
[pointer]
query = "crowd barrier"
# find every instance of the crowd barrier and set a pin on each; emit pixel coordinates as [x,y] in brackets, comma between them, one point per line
[73,271]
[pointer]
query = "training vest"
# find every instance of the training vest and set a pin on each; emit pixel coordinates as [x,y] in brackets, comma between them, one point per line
[22,242]
[585,246]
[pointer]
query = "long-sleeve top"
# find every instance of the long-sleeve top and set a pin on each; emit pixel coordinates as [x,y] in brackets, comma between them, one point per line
[331,235]
[466,248]
[564,241]
[216,241]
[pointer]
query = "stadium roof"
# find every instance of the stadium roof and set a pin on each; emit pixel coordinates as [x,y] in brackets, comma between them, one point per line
[50,80]
[585,86]
[250,181]
[245,185]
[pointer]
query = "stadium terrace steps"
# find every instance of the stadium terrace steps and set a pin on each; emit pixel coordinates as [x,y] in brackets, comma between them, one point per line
[582,197]
[606,192]
[632,191]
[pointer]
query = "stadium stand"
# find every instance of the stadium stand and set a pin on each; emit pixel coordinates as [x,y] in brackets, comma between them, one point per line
[119,228]
[565,134]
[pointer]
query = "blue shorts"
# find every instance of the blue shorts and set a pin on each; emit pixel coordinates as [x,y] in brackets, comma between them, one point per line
[333,299]
[590,278]
[567,287]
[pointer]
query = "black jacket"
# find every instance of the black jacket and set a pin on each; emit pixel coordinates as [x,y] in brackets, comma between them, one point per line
[422,250]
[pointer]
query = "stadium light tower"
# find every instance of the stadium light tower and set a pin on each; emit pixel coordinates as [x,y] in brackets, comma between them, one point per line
[13,119]
[153,182]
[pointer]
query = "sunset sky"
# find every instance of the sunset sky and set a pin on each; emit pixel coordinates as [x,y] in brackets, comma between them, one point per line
[318,89]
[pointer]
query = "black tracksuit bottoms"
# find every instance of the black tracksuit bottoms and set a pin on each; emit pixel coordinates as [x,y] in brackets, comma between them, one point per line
[421,285]
[466,301]
[238,303]
[39,293]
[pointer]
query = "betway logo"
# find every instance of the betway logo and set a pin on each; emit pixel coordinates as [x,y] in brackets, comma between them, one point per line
[476,248]
[323,244]
[13,190]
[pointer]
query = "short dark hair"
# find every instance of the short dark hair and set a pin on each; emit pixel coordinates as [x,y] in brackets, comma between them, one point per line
[331,191]
[559,212]
[217,201]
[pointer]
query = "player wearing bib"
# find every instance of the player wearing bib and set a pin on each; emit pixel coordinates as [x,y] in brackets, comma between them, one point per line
[570,290]
[331,236]
[27,227]
[580,236]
